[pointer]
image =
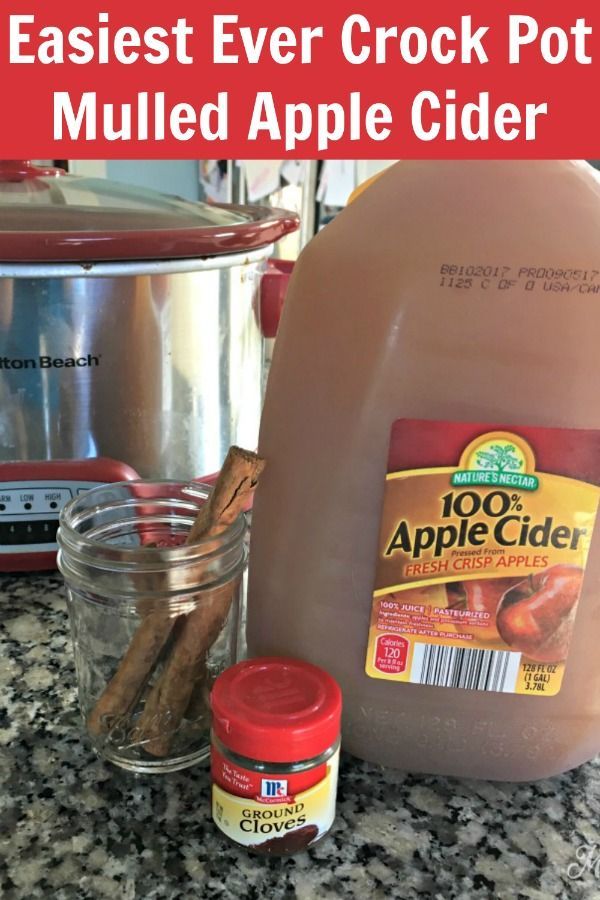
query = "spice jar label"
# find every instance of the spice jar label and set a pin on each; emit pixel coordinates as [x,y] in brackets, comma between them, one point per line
[483,546]
[268,812]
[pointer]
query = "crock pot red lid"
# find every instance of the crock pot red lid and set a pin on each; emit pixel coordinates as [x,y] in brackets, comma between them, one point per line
[49,216]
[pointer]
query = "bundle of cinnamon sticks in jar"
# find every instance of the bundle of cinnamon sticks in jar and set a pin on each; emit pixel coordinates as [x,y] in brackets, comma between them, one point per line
[160,698]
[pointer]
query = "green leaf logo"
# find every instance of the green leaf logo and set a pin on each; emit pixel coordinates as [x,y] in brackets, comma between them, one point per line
[499,458]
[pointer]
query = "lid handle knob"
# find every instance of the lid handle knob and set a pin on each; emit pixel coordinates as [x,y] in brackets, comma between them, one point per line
[21,169]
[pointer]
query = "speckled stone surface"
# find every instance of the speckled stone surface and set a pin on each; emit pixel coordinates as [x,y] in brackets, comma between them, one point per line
[74,827]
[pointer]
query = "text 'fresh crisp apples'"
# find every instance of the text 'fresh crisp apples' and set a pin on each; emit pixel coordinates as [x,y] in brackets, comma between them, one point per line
[271,82]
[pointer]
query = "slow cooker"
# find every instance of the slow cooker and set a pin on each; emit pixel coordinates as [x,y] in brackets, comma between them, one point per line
[130,339]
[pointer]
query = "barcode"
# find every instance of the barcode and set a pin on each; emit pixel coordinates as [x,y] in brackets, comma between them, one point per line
[460,667]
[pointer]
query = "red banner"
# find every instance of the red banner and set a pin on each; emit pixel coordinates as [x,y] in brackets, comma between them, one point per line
[268,80]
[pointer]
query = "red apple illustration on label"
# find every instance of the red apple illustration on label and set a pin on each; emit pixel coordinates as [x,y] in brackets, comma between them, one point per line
[536,616]
[481,596]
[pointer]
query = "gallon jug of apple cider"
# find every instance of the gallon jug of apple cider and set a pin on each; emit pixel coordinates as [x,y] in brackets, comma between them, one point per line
[425,530]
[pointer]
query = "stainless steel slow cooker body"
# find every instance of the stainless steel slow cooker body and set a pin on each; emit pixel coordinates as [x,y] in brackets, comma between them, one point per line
[156,363]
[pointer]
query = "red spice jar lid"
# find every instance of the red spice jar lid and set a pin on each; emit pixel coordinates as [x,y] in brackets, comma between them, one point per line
[276,709]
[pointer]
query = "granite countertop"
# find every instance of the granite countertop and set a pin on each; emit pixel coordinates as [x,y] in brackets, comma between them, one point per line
[72,826]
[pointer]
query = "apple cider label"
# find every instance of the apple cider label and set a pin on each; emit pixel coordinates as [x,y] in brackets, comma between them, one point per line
[485,534]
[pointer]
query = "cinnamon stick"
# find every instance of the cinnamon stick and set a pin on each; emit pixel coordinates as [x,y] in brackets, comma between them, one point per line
[235,483]
[170,695]
[198,706]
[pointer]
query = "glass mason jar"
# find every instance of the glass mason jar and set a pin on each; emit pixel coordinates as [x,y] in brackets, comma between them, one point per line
[153,620]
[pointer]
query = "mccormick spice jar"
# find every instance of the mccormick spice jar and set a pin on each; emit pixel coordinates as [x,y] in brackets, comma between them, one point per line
[274,754]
